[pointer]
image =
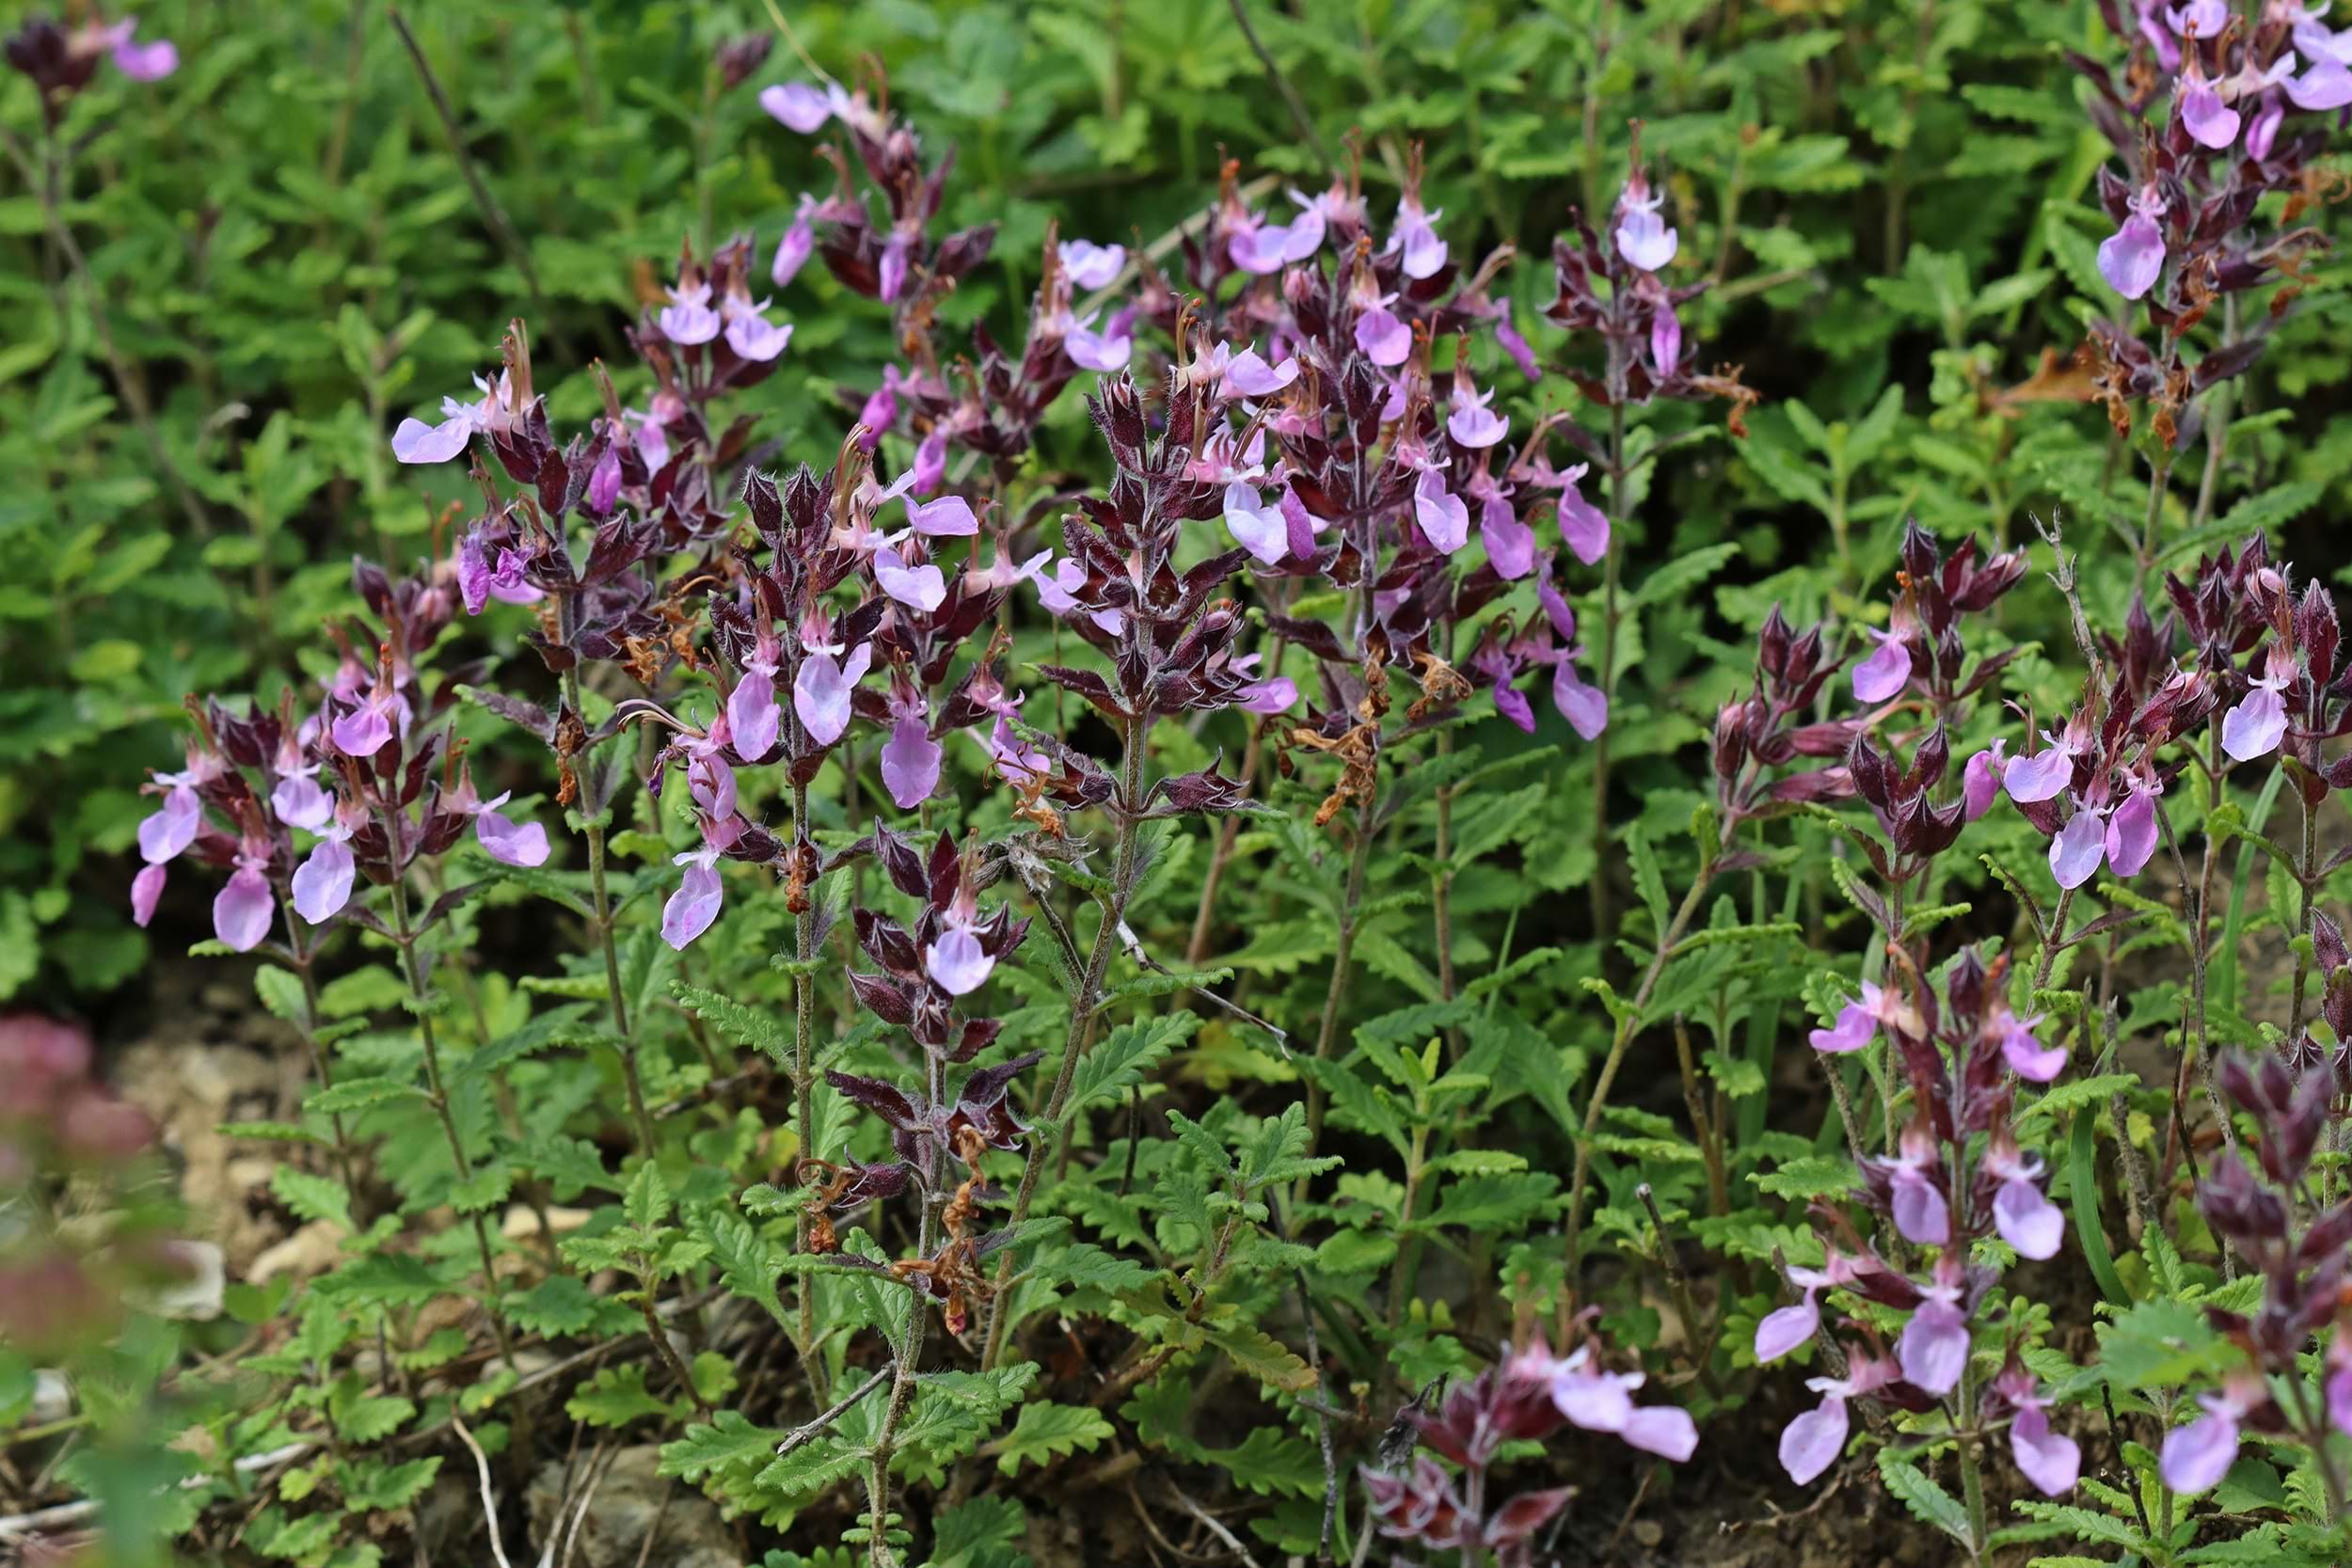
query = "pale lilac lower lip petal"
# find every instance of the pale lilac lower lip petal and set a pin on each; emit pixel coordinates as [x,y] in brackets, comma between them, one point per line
[1811,1443]
[242,912]
[1785,1329]
[2197,1455]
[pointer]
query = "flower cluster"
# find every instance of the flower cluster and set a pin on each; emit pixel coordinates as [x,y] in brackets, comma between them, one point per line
[2187,232]
[2298,1251]
[1529,1396]
[1957,1174]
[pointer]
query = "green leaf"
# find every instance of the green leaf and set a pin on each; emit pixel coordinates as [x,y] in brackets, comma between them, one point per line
[747,1026]
[358,1094]
[1927,1502]
[1047,1432]
[1264,1357]
[614,1397]
[1124,1057]
[313,1197]
[646,1202]
[2082,1197]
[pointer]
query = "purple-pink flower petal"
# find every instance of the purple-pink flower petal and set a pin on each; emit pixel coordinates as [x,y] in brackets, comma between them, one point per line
[242,912]
[1934,1350]
[2254,727]
[909,763]
[2078,848]
[2197,1455]
[1811,1443]
[321,883]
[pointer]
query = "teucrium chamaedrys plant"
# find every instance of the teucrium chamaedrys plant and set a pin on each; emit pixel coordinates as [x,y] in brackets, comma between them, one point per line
[925,712]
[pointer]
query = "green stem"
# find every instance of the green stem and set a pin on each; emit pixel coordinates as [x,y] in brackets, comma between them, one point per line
[1083,1001]
[1608,673]
[413,969]
[803,1095]
[601,910]
[1629,1024]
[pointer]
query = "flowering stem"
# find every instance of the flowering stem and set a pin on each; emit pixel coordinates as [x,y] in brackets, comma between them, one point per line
[2217,424]
[1327,1029]
[304,955]
[2159,470]
[1972,1468]
[918,1321]
[404,936]
[2306,874]
[593,825]
[1608,671]
[1442,894]
[1082,1004]
[803,1092]
[1629,1024]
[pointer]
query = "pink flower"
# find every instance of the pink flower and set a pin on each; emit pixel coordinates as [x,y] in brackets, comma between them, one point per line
[1599,1401]
[1256,525]
[1472,424]
[1858,1023]
[146,889]
[1920,1212]
[321,883]
[141,62]
[1643,237]
[1444,520]
[2197,1455]
[2132,258]
[1811,1443]
[2076,852]
[949,516]
[506,841]
[2022,1048]
[1933,1351]
[479,581]
[1415,234]
[1665,338]
[798,105]
[1583,705]
[1090,266]
[1248,375]
[751,713]
[1980,781]
[2203,113]
[2132,830]
[1886,672]
[415,441]
[1105,352]
[688,319]
[910,759]
[1584,526]
[821,692]
[368,727]
[695,905]
[2026,1219]
[798,244]
[1384,340]
[1510,544]
[2041,776]
[2255,728]
[2052,1461]
[923,587]
[1785,1328]
[244,910]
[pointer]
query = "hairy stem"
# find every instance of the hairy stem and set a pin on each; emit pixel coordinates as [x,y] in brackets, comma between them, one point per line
[412,968]
[1608,673]
[1083,1001]
[601,909]
[1629,1025]
[803,1097]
